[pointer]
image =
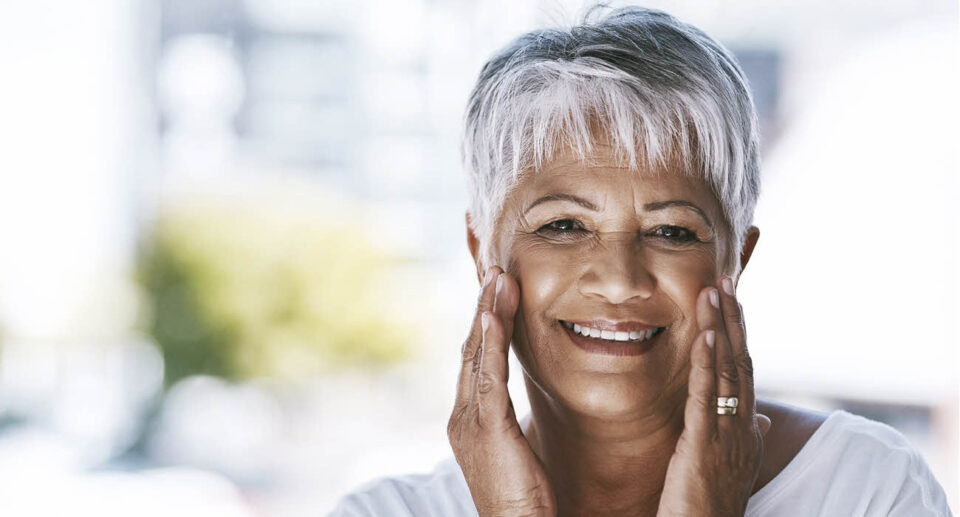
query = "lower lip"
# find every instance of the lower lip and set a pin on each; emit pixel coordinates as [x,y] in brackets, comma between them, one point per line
[607,347]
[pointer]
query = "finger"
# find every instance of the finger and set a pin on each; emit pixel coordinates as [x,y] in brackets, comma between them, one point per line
[732,317]
[470,352]
[737,333]
[492,396]
[728,382]
[700,413]
[506,300]
[484,303]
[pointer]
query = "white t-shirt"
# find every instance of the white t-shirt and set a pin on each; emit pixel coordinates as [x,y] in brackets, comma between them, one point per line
[851,466]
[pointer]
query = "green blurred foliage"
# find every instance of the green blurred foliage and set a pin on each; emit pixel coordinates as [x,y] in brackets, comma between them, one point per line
[246,291]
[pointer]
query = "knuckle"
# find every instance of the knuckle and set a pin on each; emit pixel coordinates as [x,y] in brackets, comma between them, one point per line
[701,402]
[706,369]
[486,382]
[728,371]
[745,362]
[733,318]
[459,409]
[471,353]
[477,361]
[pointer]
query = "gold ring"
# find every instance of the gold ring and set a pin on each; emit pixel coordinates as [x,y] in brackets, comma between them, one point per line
[726,411]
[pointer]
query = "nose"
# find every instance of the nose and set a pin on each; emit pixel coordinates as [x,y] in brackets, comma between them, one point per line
[617,270]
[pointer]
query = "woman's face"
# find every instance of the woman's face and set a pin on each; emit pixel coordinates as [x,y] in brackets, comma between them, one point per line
[616,250]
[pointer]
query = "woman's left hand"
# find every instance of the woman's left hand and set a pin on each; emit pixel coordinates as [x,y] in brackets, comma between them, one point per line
[718,457]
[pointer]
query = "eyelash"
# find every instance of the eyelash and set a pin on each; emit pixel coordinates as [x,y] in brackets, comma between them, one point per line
[687,236]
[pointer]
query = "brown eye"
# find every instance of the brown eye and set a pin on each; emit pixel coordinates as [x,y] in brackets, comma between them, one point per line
[561,228]
[677,234]
[562,225]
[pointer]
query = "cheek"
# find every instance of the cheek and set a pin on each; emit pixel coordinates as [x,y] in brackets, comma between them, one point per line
[542,278]
[681,277]
[544,274]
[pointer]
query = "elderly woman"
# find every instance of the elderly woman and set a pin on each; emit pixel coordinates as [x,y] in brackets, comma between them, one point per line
[613,171]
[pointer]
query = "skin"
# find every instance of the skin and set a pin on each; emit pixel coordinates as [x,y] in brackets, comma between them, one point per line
[614,435]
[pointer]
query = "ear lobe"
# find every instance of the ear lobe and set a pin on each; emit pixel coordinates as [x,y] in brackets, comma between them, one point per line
[474,244]
[753,234]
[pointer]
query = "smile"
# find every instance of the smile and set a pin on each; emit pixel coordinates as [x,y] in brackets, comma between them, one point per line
[635,336]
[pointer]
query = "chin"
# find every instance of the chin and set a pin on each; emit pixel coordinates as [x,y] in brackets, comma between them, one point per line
[606,396]
[610,400]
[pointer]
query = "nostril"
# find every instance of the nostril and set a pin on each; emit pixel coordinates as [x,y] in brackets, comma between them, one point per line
[617,287]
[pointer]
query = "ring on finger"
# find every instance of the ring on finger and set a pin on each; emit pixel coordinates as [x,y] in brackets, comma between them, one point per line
[727,405]
[728,401]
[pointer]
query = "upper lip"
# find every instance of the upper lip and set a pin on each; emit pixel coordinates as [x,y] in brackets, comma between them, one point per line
[615,326]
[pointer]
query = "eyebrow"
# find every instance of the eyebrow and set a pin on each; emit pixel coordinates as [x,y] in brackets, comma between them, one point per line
[660,205]
[652,207]
[563,197]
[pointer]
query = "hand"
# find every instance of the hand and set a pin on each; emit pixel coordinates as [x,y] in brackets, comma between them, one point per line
[718,457]
[504,475]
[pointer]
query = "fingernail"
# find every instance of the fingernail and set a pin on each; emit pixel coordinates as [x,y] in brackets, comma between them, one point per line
[715,298]
[485,320]
[727,284]
[710,338]
[499,283]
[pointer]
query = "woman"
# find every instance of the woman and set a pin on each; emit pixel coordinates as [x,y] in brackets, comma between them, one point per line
[614,171]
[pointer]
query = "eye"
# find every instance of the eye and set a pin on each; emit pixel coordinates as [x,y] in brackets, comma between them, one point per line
[676,234]
[561,228]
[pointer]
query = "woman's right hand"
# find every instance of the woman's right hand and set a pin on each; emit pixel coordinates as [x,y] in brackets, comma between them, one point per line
[504,475]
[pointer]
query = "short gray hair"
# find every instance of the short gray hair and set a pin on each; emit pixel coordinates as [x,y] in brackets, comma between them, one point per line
[657,88]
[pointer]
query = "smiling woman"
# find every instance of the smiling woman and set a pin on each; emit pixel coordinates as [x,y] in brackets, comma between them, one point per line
[614,171]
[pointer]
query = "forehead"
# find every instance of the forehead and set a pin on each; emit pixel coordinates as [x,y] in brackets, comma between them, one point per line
[601,174]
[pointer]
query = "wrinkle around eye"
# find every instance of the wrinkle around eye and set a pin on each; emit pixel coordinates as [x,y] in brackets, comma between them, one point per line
[541,236]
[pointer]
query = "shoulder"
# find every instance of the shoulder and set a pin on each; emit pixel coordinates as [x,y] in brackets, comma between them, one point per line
[442,491]
[851,464]
[790,429]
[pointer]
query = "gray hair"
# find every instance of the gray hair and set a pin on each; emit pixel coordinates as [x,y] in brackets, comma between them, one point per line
[658,90]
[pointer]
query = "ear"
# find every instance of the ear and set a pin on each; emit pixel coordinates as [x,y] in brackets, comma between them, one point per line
[753,234]
[474,244]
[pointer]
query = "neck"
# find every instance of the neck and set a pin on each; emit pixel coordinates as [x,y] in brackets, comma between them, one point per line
[599,465]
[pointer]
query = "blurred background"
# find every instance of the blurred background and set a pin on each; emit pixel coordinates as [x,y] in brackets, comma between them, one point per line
[234,279]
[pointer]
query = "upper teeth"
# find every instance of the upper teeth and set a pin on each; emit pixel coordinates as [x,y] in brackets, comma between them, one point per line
[637,335]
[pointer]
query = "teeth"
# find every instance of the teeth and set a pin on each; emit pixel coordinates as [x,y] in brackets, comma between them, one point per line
[638,335]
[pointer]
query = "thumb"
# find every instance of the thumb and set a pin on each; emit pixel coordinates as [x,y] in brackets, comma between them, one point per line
[764,422]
